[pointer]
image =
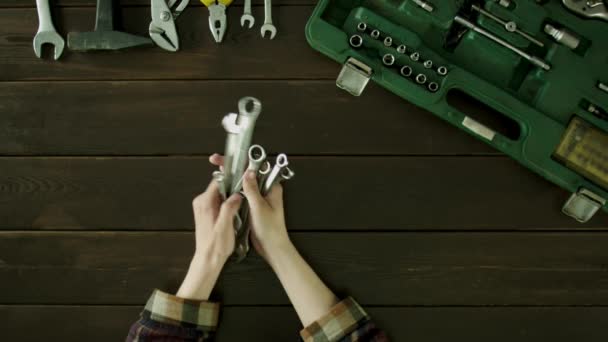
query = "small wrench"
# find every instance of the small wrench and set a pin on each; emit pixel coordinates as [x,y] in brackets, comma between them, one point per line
[247,17]
[46,31]
[275,174]
[268,26]
[257,156]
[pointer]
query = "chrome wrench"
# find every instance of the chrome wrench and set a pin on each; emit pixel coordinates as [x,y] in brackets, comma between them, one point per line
[46,31]
[268,26]
[247,17]
[275,174]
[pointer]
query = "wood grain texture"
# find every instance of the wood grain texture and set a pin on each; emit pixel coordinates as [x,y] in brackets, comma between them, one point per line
[437,324]
[376,268]
[183,117]
[345,193]
[244,54]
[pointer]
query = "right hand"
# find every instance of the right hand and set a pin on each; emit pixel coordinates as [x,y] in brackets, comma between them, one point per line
[267,218]
[267,215]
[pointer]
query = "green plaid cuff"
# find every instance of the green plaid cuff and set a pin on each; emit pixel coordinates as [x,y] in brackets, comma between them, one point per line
[165,308]
[342,320]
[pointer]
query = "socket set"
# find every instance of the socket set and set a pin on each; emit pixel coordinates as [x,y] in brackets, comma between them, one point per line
[536,69]
[241,156]
[396,56]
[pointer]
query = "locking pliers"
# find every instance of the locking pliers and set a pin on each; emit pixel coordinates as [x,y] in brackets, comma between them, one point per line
[162,27]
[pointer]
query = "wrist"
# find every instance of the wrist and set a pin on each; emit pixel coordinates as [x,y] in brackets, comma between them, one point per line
[201,277]
[279,252]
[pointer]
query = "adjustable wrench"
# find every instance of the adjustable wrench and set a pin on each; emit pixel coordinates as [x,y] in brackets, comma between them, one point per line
[247,17]
[268,26]
[46,31]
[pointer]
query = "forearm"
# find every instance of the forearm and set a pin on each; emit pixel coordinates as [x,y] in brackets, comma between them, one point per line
[310,297]
[201,278]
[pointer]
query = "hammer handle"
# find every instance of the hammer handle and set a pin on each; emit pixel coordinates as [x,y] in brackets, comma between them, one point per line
[105,15]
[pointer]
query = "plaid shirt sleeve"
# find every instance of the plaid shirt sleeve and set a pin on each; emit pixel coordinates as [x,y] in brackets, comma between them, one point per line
[345,322]
[168,318]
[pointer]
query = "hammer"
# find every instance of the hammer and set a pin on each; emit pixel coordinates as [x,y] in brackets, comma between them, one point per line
[105,37]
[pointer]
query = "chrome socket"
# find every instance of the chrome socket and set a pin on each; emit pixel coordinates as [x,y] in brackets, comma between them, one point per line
[421,78]
[433,87]
[406,71]
[388,59]
[356,41]
[401,49]
[375,34]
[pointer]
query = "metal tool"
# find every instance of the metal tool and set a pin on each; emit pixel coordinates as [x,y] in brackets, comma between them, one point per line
[510,26]
[388,59]
[375,34]
[356,41]
[602,86]
[46,31]
[162,28]
[563,36]
[442,71]
[105,37]
[401,49]
[425,5]
[361,27]
[287,174]
[257,157]
[406,71]
[428,64]
[388,41]
[247,17]
[415,56]
[268,27]
[263,173]
[218,176]
[594,9]
[532,59]
[239,128]
[274,176]
[217,17]
[504,3]
[421,78]
[433,87]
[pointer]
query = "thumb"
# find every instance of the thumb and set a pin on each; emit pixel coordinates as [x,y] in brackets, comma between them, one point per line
[252,191]
[228,211]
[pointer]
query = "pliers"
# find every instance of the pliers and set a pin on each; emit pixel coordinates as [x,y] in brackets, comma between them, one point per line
[217,17]
[162,28]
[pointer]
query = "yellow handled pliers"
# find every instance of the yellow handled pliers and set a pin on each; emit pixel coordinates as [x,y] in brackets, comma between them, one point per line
[217,17]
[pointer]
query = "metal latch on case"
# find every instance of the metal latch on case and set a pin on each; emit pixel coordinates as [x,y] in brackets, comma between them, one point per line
[354,76]
[582,205]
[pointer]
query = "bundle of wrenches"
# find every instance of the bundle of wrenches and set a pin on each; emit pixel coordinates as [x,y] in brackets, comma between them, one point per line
[239,157]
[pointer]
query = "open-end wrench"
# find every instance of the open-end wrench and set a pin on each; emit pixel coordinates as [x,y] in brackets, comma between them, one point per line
[247,17]
[268,26]
[46,31]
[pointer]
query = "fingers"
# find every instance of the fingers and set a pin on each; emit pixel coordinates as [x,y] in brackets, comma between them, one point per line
[206,205]
[275,196]
[252,191]
[228,211]
[217,160]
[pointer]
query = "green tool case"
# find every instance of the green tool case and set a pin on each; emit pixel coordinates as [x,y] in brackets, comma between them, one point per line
[537,71]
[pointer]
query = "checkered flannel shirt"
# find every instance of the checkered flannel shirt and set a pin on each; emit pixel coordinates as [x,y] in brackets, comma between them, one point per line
[171,319]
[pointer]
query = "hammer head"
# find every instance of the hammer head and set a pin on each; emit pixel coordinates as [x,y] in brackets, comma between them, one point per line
[105,40]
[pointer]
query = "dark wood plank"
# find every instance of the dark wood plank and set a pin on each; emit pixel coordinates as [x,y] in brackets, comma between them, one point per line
[183,117]
[244,54]
[345,193]
[435,324]
[376,268]
[193,3]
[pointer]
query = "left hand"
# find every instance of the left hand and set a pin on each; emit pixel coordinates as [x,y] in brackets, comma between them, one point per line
[214,233]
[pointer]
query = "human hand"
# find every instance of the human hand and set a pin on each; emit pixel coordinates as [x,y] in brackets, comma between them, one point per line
[267,218]
[214,235]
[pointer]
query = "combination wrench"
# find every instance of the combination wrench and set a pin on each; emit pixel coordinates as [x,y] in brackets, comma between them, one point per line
[247,17]
[268,26]
[46,31]
[275,174]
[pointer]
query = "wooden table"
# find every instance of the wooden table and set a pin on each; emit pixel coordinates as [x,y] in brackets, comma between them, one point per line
[439,236]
